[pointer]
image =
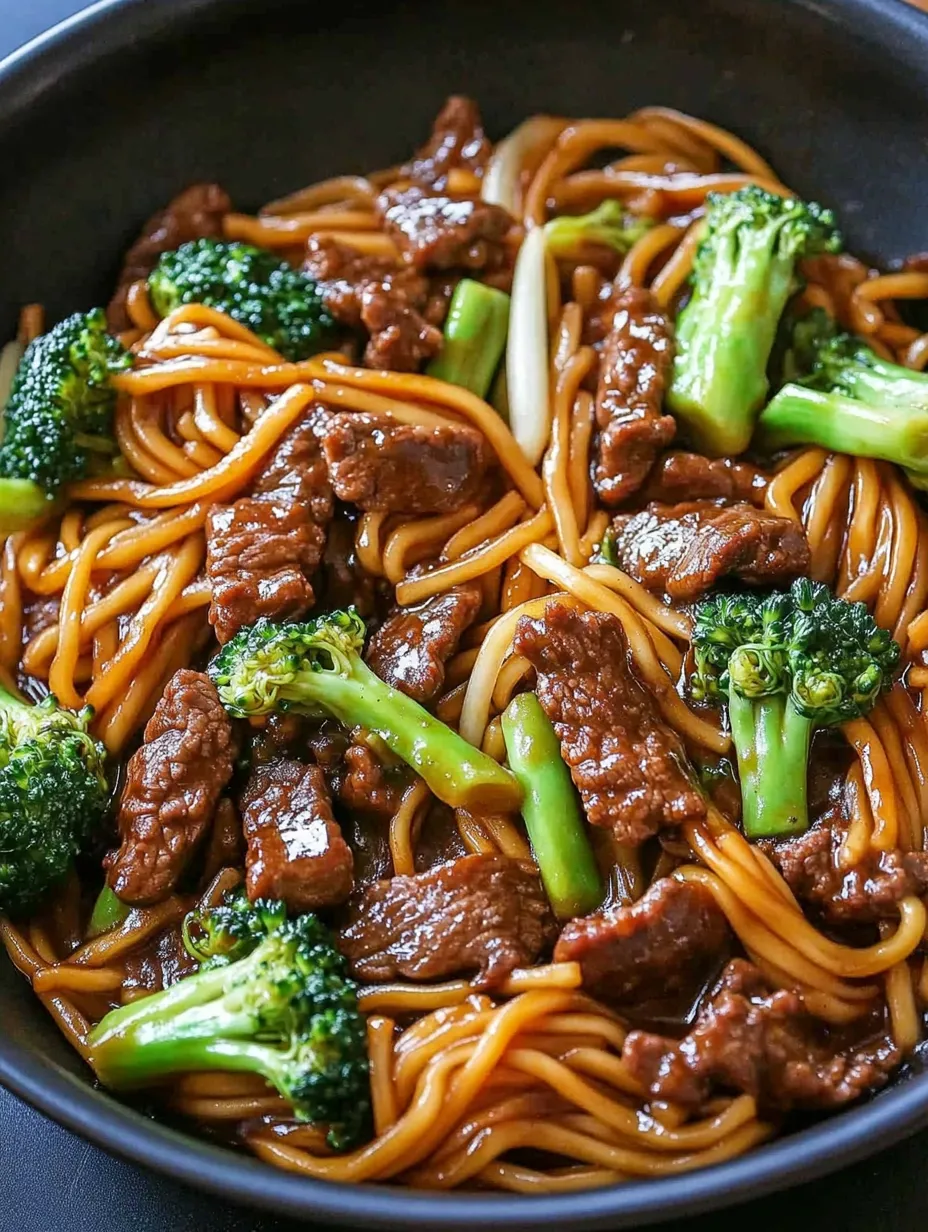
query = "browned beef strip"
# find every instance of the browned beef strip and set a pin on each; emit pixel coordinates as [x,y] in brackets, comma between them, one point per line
[373,293]
[864,892]
[342,275]
[684,550]
[628,765]
[194,214]
[634,367]
[172,785]
[254,565]
[410,650]
[295,472]
[441,288]
[441,232]
[401,339]
[263,550]
[295,847]
[671,941]
[681,476]
[457,140]
[378,464]
[354,773]
[764,1043]
[482,913]
[364,785]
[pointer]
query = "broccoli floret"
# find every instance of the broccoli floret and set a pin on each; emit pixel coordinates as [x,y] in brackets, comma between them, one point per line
[853,401]
[53,793]
[219,935]
[57,421]
[315,668]
[608,226]
[251,285]
[742,279]
[276,1002]
[787,664]
[797,345]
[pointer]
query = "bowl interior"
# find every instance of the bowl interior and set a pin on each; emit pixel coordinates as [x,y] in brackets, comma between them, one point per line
[107,121]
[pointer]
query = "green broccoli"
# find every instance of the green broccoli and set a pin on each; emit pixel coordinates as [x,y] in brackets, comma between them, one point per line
[108,912]
[797,345]
[251,285]
[53,794]
[853,401]
[742,279]
[217,936]
[608,226]
[553,816]
[274,999]
[57,421]
[315,668]
[787,664]
[474,337]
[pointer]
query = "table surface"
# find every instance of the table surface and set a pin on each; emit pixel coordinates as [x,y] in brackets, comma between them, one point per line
[52,1181]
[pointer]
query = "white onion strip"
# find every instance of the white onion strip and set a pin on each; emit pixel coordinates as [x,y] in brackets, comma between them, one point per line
[522,150]
[527,357]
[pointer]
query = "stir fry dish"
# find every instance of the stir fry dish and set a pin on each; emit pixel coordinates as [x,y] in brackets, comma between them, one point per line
[464,662]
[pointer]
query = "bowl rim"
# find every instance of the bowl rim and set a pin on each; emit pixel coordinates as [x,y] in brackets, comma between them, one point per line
[895,29]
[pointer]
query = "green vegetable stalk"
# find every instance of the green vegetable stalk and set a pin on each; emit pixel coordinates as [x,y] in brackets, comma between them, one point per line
[787,665]
[743,276]
[315,668]
[474,337]
[853,401]
[552,814]
[108,913]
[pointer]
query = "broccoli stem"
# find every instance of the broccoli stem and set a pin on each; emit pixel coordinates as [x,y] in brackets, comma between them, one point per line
[725,336]
[772,742]
[459,774]
[22,504]
[94,443]
[474,337]
[880,383]
[846,365]
[108,913]
[195,1024]
[552,814]
[798,415]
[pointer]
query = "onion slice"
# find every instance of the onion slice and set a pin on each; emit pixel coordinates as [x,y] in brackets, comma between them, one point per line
[523,150]
[527,348]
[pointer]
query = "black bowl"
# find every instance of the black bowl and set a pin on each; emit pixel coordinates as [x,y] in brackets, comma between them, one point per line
[101,121]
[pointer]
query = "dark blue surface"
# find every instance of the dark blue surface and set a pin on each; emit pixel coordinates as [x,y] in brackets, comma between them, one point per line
[51,1181]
